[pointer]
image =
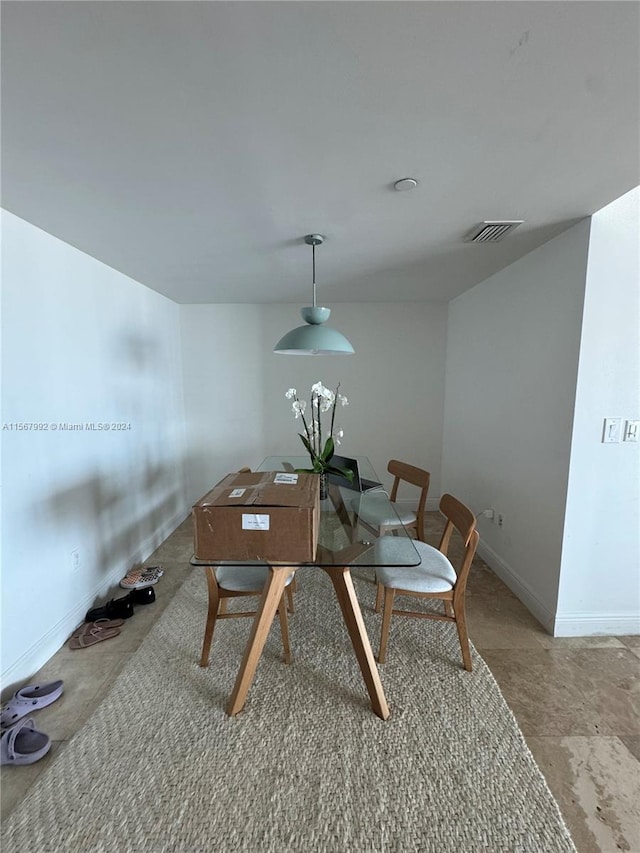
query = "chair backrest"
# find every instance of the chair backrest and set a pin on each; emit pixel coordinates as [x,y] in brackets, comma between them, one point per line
[461,518]
[402,471]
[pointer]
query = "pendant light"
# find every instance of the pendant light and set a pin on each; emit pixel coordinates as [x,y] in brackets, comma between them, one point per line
[315,338]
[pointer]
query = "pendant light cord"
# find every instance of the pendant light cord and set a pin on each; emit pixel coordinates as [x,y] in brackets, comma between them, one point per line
[313,248]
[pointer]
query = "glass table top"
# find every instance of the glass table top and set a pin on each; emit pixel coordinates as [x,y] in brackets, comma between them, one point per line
[344,538]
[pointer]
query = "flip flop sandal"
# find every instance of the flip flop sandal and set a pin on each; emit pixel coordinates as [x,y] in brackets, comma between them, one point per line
[108,623]
[95,634]
[23,744]
[86,627]
[29,699]
[141,578]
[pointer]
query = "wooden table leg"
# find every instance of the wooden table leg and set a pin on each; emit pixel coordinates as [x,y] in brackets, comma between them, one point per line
[346,594]
[271,595]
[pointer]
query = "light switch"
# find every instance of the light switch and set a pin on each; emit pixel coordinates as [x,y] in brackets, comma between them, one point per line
[611,432]
[631,431]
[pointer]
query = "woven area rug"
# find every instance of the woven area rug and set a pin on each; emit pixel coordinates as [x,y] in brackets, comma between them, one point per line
[307,766]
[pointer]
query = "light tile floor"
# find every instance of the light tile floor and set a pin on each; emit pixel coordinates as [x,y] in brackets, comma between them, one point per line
[576,700]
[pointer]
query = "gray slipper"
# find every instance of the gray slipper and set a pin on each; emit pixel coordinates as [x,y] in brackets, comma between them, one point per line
[23,744]
[28,699]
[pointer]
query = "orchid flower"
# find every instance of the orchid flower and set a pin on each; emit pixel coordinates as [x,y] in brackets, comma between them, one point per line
[320,449]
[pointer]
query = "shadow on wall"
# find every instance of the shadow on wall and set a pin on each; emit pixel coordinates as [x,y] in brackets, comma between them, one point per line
[132,483]
[116,523]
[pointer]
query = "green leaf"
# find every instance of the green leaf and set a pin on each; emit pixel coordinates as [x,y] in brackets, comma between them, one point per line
[307,444]
[327,453]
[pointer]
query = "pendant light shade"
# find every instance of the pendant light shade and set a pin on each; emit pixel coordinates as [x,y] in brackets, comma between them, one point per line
[314,338]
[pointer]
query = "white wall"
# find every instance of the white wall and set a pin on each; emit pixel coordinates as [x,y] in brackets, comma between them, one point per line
[223,363]
[235,385]
[600,572]
[512,361]
[81,343]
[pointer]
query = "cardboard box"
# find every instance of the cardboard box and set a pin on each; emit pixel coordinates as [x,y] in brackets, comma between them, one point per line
[270,516]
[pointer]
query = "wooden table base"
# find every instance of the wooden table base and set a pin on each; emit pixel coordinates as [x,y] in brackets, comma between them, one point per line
[352,615]
[271,595]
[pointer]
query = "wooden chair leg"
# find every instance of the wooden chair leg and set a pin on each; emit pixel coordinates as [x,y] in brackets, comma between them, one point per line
[284,628]
[289,591]
[389,595]
[379,596]
[212,613]
[463,636]
[448,608]
[223,606]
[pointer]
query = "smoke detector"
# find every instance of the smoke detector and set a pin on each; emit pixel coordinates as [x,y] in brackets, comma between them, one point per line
[492,231]
[405,184]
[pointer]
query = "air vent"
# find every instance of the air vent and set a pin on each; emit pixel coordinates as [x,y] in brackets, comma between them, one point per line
[492,232]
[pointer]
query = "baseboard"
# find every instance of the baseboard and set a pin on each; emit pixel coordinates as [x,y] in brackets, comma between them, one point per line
[560,625]
[43,649]
[595,624]
[521,589]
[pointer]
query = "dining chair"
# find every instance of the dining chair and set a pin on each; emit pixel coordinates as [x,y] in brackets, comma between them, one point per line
[231,580]
[434,578]
[374,510]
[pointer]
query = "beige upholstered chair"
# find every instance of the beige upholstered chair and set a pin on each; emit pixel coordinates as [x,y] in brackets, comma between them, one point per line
[374,512]
[435,577]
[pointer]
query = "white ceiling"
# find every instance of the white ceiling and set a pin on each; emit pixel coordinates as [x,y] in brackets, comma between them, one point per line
[192,145]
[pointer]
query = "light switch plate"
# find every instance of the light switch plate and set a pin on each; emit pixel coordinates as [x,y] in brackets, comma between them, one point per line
[611,431]
[631,431]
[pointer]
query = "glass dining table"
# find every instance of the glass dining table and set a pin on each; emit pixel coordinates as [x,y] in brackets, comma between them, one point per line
[343,540]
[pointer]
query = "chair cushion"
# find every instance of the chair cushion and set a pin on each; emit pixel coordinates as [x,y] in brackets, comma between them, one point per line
[241,578]
[376,511]
[434,573]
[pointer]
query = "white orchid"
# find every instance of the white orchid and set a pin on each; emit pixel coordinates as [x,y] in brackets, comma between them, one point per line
[322,400]
[299,407]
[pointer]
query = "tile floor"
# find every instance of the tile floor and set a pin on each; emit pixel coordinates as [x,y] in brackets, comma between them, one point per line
[577,701]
